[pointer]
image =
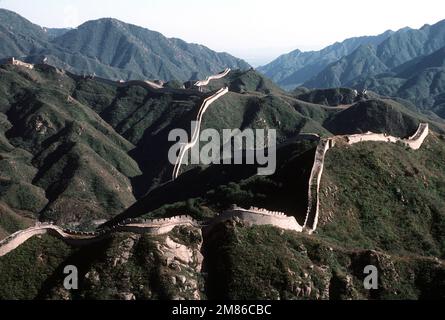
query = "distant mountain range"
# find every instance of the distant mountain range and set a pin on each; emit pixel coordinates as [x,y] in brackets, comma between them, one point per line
[421,81]
[112,49]
[341,64]
[297,67]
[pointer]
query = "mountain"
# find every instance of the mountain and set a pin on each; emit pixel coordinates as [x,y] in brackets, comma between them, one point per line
[421,81]
[296,67]
[58,130]
[90,155]
[340,63]
[408,44]
[138,50]
[111,49]
[398,49]
[19,37]
[67,141]
[58,158]
[362,61]
[402,234]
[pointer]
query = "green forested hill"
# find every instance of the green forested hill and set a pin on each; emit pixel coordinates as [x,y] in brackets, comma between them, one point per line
[296,67]
[91,144]
[421,81]
[75,149]
[364,57]
[111,49]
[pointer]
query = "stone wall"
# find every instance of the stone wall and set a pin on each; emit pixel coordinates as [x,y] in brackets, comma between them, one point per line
[20,63]
[314,184]
[205,82]
[122,84]
[255,216]
[148,226]
[414,142]
[195,136]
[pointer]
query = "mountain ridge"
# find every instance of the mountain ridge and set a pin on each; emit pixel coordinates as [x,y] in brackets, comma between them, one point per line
[309,63]
[112,49]
[399,48]
[323,69]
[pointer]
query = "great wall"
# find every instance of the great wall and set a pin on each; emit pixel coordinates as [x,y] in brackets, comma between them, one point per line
[414,142]
[252,216]
[256,216]
[15,62]
[78,238]
[197,129]
[218,76]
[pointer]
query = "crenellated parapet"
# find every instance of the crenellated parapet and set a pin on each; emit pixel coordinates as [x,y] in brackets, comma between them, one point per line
[253,216]
[265,211]
[256,216]
[15,62]
[75,237]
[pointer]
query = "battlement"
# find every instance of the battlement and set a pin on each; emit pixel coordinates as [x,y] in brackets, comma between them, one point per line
[15,62]
[75,237]
[256,216]
[266,212]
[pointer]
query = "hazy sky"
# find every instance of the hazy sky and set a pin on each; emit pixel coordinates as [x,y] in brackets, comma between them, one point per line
[256,30]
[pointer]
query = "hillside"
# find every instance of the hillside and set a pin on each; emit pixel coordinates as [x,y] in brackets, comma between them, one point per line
[111,49]
[91,154]
[206,190]
[58,154]
[293,69]
[363,61]
[399,48]
[19,36]
[420,81]
[73,142]
[339,64]
[385,197]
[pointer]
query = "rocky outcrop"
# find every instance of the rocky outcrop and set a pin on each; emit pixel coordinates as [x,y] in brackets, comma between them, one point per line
[182,266]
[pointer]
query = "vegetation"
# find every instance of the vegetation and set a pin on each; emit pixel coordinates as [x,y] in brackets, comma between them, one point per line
[385,197]
[124,266]
[81,150]
[295,68]
[111,49]
[33,265]
[267,263]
